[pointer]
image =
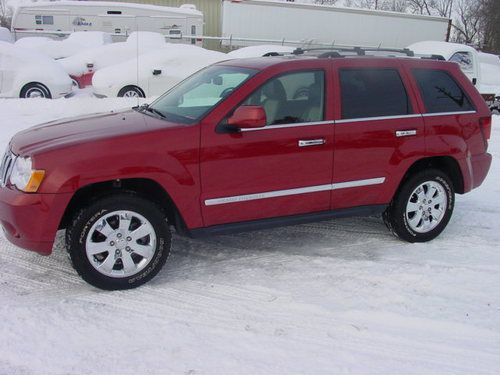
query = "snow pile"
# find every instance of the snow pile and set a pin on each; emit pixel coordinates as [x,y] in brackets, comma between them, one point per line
[114,53]
[5,35]
[258,51]
[75,43]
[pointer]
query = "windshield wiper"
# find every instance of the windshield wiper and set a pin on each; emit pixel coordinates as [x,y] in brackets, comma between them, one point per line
[146,107]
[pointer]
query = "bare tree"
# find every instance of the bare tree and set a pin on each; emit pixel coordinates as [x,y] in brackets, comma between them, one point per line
[5,15]
[468,22]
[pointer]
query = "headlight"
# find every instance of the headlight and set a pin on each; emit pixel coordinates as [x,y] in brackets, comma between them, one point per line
[24,177]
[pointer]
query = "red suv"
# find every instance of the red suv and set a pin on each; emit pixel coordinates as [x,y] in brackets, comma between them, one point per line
[248,144]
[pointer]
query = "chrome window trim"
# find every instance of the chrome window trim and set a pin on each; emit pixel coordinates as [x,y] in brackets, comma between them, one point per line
[344,121]
[378,118]
[292,125]
[447,113]
[296,191]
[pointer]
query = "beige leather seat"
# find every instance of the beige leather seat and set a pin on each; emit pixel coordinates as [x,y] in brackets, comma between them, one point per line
[275,100]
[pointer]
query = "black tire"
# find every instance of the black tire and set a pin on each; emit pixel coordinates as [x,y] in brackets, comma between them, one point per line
[398,220]
[78,233]
[131,92]
[35,90]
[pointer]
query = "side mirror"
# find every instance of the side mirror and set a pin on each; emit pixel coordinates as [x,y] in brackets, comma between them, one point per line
[156,72]
[474,81]
[248,116]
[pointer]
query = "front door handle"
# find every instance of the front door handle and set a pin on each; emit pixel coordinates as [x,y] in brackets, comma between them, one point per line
[311,142]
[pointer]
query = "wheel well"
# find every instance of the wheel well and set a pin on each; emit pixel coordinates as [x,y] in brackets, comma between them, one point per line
[446,164]
[145,188]
[124,88]
[34,83]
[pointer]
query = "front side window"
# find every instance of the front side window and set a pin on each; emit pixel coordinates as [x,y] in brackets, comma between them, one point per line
[190,100]
[371,92]
[292,98]
[464,60]
[440,92]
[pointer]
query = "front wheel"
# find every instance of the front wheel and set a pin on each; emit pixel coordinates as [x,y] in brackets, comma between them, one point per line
[422,207]
[119,242]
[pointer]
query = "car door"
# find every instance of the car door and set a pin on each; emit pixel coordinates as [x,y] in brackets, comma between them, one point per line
[379,132]
[284,168]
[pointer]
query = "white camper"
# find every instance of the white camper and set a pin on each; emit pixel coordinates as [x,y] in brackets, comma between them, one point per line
[57,19]
[254,20]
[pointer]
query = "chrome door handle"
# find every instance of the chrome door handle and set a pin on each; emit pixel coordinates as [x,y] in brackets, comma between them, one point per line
[311,142]
[406,133]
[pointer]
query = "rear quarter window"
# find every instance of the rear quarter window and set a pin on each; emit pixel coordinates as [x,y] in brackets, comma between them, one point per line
[440,92]
[369,92]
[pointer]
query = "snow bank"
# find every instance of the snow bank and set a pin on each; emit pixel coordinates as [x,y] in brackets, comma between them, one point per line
[258,51]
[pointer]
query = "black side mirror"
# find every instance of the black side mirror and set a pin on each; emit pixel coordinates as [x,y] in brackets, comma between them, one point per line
[474,81]
[156,72]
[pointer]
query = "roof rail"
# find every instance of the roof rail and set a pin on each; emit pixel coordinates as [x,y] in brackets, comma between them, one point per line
[333,52]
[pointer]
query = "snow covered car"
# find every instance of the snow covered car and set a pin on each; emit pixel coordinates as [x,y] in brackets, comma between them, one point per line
[27,74]
[75,43]
[259,51]
[82,65]
[153,73]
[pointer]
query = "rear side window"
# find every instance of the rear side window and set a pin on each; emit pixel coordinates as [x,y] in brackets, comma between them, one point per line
[372,93]
[440,92]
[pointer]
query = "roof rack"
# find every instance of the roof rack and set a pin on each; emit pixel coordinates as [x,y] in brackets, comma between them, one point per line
[332,52]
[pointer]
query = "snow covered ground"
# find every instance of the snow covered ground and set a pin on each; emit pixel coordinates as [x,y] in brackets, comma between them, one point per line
[337,297]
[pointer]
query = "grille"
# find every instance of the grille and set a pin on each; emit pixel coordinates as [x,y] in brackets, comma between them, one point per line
[6,167]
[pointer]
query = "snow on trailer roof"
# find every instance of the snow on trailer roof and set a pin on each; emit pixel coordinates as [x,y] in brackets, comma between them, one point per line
[185,9]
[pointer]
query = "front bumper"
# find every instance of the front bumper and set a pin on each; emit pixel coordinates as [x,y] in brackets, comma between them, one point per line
[31,221]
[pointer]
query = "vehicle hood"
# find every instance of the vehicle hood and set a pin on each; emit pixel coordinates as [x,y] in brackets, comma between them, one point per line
[77,130]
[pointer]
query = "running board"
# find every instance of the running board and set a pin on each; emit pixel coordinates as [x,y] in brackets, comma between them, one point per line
[246,226]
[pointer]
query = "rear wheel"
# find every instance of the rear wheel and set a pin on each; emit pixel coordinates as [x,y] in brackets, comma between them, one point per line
[422,207]
[131,92]
[35,90]
[119,242]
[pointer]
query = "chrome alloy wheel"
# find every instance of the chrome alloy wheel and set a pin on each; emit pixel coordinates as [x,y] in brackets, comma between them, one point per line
[120,244]
[426,207]
[131,94]
[35,92]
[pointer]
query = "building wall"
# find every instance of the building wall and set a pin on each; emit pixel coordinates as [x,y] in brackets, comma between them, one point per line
[211,9]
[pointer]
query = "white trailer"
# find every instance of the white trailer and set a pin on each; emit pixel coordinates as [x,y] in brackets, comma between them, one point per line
[299,22]
[57,19]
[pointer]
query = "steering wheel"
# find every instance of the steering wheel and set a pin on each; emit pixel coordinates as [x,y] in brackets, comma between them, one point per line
[226,92]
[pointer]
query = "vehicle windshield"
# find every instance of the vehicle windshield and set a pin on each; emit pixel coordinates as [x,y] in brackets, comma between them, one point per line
[191,99]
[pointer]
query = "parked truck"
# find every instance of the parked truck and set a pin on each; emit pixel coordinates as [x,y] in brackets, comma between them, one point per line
[59,18]
[252,20]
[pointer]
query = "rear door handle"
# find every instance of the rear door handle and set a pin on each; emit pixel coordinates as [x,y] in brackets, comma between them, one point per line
[311,142]
[406,133]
